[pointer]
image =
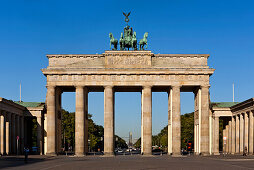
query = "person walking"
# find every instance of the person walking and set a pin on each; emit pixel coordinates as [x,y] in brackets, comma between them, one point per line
[26,151]
[245,151]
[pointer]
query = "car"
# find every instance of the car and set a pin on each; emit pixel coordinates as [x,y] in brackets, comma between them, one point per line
[120,150]
[34,149]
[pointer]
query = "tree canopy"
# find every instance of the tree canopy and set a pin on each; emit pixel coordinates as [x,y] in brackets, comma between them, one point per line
[187,133]
[95,133]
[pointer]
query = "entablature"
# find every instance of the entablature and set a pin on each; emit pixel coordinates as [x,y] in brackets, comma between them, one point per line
[128,59]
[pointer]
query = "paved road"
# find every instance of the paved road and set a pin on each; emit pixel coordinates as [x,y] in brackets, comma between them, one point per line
[128,162]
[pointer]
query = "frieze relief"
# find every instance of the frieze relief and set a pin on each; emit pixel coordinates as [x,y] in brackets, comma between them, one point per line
[127,78]
[127,61]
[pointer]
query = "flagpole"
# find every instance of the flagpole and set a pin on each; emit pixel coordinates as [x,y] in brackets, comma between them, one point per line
[233,92]
[20,92]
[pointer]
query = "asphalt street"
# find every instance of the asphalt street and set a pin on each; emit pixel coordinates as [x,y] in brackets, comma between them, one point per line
[37,162]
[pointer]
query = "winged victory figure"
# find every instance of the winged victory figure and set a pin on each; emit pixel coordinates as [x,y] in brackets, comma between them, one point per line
[126,17]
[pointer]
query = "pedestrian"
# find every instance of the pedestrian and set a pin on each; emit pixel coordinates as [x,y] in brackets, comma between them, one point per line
[26,151]
[245,151]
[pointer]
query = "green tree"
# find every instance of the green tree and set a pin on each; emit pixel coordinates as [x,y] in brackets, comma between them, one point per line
[187,129]
[68,129]
[187,133]
[95,133]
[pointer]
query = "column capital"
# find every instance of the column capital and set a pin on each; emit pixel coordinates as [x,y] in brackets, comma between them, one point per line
[108,87]
[147,86]
[79,86]
[176,87]
[204,86]
[50,86]
[246,114]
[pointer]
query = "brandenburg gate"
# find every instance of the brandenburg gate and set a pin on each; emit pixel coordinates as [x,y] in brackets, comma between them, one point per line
[128,71]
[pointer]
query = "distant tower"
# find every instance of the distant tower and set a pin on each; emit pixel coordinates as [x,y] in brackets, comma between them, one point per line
[130,139]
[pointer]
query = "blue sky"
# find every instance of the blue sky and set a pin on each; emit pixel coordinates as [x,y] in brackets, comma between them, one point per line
[31,29]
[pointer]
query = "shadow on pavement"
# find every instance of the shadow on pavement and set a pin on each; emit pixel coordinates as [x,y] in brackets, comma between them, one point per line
[14,161]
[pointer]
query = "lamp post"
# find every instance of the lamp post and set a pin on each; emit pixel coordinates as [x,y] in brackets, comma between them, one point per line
[89,145]
[101,144]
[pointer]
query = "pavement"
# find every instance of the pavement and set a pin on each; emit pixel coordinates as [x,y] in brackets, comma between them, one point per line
[37,162]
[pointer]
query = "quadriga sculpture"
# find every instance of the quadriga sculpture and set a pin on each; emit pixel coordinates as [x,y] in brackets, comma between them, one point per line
[143,42]
[113,41]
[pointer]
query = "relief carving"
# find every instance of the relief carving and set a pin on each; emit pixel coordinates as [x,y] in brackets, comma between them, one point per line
[128,61]
[127,78]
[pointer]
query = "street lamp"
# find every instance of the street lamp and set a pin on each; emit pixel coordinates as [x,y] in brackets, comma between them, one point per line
[89,145]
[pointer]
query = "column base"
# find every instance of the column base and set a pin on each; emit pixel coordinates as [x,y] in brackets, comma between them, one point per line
[51,154]
[79,154]
[109,154]
[217,153]
[147,154]
[205,154]
[177,155]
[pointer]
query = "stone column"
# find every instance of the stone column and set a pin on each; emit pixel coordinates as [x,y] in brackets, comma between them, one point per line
[147,120]
[233,136]
[22,134]
[227,140]
[7,141]
[86,118]
[109,121]
[39,134]
[241,133]
[237,134]
[176,121]
[13,134]
[2,134]
[210,134]
[216,135]
[251,133]
[204,136]
[142,147]
[80,122]
[224,134]
[246,131]
[230,136]
[197,115]
[51,122]
[45,133]
[170,121]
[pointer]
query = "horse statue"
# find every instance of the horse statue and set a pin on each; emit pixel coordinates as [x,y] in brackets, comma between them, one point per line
[113,41]
[121,42]
[143,42]
[134,41]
